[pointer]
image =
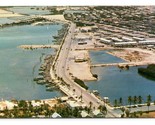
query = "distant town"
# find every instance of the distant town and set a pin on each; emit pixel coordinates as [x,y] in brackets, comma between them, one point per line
[77,62]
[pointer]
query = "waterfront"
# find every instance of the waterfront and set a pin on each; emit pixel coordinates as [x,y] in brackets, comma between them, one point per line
[18,67]
[115,83]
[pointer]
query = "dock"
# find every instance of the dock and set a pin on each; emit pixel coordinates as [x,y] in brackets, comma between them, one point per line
[38,46]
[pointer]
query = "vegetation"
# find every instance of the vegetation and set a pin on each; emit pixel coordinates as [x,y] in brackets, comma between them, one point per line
[81,83]
[25,109]
[149,71]
[95,75]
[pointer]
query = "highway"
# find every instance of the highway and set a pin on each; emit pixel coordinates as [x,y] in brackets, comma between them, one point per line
[61,71]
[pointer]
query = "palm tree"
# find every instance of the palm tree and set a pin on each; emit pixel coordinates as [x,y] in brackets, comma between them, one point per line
[102,109]
[115,103]
[90,104]
[120,101]
[135,100]
[149,101]
[149,98]
[130,100]
[139,99]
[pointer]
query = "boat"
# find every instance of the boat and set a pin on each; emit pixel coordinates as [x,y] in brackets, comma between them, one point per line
[41,82]
[51,88]
[48,85]
[95,92]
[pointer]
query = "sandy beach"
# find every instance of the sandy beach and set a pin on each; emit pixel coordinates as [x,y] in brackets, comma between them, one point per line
[5,13]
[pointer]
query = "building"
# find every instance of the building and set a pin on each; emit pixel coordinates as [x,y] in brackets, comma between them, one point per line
[64,99]
[138,39]
[84,114]
[73,104]
[3,105]
[56,115]
[106,41]
[127,38]
[97,114]
[124,44]
[147,42]
[80,58]
[82,43]
[115,39]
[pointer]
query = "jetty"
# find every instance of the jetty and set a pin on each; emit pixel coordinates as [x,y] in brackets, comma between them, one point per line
[38,46]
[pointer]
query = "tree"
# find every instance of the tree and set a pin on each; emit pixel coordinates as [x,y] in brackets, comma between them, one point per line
[120,101]
[139,99]
[149,98]
[135,100]
[149,101]
[115,103]
[130,100]
[90,104]
[102,109]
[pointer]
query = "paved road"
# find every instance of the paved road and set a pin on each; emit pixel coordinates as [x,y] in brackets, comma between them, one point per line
[61,71]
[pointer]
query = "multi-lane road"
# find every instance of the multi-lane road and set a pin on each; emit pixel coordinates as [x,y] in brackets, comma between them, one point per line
[61,71]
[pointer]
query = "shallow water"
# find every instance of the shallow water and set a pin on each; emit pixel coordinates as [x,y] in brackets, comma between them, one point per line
[18,67]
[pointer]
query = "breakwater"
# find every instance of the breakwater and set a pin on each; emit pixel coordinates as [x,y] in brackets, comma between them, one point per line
[38,46]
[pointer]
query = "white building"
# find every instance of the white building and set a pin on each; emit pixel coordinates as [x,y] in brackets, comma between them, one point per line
[147,42]
[56,115]
[73,104]
[106,41]
[139,39]
[84,114]
[115,39]
[121,44]
[127,38]
[97,113]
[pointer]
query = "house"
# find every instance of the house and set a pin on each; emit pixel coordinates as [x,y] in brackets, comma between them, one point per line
[73,104]
[64,99]
[56,115]
[97,114]
[3,105]
[84,114]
